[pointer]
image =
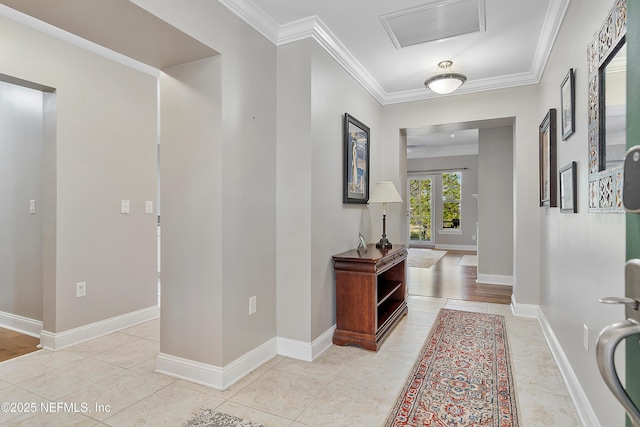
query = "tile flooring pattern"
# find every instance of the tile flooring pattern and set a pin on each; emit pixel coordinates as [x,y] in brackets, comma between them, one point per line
[111,381]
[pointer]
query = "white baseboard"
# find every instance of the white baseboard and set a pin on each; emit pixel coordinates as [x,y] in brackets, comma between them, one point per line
[60,340]
[523,310]
[306,351]
[221,378]
[457,247]
[216,377]
[580,401]
[495,279]
[21,324]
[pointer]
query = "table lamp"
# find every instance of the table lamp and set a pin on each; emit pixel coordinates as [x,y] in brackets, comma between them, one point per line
[384,192]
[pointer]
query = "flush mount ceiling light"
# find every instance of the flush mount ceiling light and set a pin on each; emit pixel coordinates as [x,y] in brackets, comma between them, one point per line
[445,80]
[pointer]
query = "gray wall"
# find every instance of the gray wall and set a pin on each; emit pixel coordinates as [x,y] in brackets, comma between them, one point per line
[97,153]
[495,216]
[232,170]
[313,223]
[191,219]
[294,172]
[583,254]
[21,151]
[469,213]
[335,226]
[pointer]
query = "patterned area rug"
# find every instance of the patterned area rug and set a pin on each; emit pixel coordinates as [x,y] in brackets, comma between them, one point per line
[462,376]
[423,258]
[211,418]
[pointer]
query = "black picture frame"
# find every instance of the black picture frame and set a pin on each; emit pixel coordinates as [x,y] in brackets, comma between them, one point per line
[568,190]
[356,143]
[548,168]
[568,103]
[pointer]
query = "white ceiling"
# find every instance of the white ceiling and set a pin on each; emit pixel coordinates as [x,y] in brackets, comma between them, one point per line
[511,49]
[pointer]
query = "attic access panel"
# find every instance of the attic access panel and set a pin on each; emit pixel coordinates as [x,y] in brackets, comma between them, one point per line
[434,21]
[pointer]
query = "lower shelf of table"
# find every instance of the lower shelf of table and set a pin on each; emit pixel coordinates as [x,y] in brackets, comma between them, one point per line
[372,341]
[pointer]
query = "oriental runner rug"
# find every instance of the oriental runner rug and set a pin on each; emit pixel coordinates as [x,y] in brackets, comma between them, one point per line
[462,376]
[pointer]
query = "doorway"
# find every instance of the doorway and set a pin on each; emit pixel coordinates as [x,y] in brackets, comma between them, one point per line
[481,154]
[420,198]
[26,110]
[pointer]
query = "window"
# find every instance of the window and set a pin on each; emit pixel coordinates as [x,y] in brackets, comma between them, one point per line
[451,198]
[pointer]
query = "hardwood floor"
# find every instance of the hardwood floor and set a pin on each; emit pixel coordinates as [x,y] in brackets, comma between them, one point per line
[14,344]
[448,279]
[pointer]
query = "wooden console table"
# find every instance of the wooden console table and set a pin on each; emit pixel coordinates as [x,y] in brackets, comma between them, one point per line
[370,295]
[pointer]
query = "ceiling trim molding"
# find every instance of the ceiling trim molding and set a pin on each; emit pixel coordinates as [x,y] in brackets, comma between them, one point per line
[550,29]
[253,15]
[313,27]
[496,83]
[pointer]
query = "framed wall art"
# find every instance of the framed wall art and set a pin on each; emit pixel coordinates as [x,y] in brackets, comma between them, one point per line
[568,102]
[548,171]
[568,193]
[356,161]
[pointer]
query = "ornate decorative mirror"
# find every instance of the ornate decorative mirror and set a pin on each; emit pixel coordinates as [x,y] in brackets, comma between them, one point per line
[607,111]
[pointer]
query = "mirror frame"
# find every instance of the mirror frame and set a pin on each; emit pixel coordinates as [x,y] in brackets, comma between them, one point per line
[605,186]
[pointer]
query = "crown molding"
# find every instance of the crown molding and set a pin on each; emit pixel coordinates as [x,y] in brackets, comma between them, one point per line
[550,29]
[313,27]
[257,18]
[473,86]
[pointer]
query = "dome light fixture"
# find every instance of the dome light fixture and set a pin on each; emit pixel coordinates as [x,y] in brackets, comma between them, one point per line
[445,81]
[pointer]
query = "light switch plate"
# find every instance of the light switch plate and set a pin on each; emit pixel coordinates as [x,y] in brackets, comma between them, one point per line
[81,289]
[148,206]
[124,206]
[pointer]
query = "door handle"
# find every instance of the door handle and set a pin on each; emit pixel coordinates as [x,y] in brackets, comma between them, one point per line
[631,302]
[606,345]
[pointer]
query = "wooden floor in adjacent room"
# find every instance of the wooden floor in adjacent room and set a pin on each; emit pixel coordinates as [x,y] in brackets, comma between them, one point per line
[447,279]
[14,344]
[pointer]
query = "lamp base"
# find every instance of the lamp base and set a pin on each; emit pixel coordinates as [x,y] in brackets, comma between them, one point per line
[384,243]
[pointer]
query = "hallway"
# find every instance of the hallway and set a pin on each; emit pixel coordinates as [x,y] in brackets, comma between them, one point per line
[449,278]
[345,386]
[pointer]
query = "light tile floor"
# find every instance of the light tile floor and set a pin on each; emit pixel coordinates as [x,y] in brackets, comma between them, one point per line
[111,381]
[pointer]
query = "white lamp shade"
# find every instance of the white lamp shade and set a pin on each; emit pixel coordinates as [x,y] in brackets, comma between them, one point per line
[445,80]
[445,84]
[385,192]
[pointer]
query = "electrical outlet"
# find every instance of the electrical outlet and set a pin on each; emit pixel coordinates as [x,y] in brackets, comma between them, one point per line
[81,289]
[585,338]
[252,305]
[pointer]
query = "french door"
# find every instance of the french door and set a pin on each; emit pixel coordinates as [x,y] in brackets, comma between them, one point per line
[420,197]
